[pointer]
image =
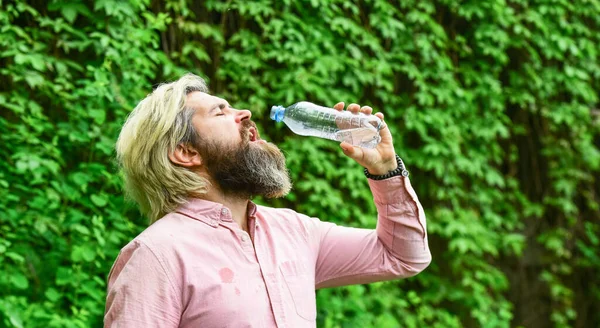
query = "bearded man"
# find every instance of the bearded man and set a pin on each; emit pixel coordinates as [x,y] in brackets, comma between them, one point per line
[213,258]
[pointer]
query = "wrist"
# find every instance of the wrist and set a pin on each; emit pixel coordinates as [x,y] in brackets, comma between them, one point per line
[383,168]
[398,170]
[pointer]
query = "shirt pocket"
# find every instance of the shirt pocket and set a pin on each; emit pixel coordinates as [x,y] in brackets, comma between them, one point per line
[302,289]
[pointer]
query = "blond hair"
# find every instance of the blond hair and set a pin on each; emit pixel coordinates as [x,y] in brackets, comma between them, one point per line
[152,131]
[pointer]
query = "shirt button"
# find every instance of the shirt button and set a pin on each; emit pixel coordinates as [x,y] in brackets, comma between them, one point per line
[214,222]
[244,238]
[224,211]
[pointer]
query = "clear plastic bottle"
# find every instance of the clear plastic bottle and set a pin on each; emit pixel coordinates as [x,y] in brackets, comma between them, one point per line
[307,119]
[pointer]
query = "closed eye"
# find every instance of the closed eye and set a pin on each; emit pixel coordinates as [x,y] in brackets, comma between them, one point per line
[218,109]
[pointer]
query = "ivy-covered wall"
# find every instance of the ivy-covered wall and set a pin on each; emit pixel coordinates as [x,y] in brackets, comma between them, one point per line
[493,105]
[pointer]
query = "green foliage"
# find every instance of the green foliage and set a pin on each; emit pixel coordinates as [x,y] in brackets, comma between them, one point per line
[69,76]
[493,106]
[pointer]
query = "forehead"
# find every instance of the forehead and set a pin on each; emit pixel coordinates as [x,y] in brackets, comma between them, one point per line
[202,102]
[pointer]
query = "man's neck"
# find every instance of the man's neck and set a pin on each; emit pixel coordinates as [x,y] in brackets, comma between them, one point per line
[236,204]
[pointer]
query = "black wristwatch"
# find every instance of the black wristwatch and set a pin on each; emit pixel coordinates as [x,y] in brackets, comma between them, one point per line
[400,170]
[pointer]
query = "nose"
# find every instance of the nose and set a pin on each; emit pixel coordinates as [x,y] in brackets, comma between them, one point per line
[242,114]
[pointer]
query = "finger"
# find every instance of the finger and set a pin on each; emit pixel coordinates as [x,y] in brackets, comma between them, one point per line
[383,124]
[384,131]
[354,108]
[351,151]
[367,110]
[339,106]
[347,148]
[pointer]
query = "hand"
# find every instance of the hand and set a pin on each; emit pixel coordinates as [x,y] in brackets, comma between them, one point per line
[379,160]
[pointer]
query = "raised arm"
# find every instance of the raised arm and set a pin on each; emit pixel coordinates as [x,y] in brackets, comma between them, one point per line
[397,248]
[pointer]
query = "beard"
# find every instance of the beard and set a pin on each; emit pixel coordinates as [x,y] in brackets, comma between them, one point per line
[247,169]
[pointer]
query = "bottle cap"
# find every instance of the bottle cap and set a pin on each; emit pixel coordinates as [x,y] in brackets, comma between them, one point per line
[277,113]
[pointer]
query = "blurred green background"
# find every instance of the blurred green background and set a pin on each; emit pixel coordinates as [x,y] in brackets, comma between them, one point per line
[493,105]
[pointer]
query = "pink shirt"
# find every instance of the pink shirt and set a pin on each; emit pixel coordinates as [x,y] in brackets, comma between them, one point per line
[196,267]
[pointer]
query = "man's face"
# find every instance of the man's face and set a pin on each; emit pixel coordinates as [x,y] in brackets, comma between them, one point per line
[232,152]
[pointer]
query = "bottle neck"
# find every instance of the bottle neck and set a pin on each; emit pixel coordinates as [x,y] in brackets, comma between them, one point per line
[277,113]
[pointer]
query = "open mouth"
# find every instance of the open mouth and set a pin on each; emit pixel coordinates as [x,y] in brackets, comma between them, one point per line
[254,136]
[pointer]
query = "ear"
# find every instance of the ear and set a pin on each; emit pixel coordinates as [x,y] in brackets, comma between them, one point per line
[186,156]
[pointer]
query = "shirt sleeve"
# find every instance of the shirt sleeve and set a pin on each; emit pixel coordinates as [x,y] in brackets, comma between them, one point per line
[397,248]
[140,293]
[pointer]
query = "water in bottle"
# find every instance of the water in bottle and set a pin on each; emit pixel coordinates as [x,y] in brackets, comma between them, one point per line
[307,119]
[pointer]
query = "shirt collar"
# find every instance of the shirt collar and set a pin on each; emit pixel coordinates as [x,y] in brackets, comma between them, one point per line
[209,212]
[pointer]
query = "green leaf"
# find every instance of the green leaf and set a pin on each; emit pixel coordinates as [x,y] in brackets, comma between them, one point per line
[99,200]
[52,294]
[99,115]
[19,280]
[69,13]
[88,254]
[64,276]
[15,257]
[33,79]
[83,253]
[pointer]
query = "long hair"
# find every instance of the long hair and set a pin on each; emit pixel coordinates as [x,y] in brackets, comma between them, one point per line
[152,131]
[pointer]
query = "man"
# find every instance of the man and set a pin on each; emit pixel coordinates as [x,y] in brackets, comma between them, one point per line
[211,257]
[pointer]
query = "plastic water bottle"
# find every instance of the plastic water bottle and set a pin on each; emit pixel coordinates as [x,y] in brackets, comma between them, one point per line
[307,119]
